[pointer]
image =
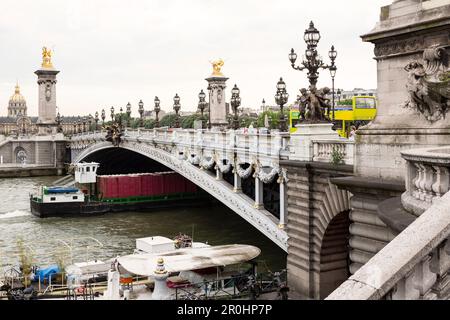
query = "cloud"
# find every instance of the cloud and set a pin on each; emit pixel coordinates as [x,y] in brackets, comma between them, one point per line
[110,52]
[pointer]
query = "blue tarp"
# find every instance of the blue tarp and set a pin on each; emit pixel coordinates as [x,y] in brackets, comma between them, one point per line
[46,273]
[61,190]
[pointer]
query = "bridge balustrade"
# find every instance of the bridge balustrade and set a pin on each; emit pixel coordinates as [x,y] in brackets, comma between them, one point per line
[416,263]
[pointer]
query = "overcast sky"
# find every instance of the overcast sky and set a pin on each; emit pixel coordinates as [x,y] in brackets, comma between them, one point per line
[110,52]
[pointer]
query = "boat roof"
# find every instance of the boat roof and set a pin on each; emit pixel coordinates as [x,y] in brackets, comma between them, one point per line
[189,258]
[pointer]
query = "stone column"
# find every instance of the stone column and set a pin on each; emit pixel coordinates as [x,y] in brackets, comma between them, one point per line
[217,106]
[47,100]
[259,193]
[237,182]
[219,174]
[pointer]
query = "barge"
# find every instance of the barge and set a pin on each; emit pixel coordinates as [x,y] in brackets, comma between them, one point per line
[93,195]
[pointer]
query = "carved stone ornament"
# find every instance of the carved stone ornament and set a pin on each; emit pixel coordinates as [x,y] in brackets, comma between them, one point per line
[244,173]
[428,84]
[48,91]
[207,162]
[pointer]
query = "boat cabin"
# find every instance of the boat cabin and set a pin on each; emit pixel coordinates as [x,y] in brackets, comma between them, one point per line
[86,172]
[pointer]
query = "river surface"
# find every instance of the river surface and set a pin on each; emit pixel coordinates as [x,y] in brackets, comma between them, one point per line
[116,231]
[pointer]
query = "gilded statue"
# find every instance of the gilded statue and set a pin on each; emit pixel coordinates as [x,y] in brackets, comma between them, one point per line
[46,58]
[217,66]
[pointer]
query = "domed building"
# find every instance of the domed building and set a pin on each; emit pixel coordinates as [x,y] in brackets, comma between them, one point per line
[17,104]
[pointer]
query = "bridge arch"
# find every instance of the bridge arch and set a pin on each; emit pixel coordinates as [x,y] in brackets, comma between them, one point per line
[171,158]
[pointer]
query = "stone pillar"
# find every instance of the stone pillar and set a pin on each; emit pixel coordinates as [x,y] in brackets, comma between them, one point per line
[237,183]
[407,28]
[217,106]
[219,174]
[47,100]
[259,193]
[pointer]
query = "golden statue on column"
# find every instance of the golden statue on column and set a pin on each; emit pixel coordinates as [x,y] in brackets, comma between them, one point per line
[46,58]
[217,66]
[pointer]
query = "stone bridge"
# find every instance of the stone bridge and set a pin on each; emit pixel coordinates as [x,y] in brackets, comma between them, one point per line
[310,221]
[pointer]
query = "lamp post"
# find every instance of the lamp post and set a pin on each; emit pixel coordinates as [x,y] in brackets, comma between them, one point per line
[79,124]
[84,123]
[176,107]
[235,103]
[157,110]
[263,105]
[103,117]
[312,62]
[281,98]
[96,120]
[128,114]
[120,117]
[112,114]
[90,120]
[332,54]
[202,105]
[141,113]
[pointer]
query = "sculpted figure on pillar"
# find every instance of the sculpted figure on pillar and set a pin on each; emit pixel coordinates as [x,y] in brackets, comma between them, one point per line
[428,84]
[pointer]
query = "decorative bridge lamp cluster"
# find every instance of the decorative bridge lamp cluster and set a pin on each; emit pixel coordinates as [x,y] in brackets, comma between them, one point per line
[235,103]
[202,104]
[176,107]
[157,110]
[112,114]
[312,62]
[281,98]
[128,114]
[141,113]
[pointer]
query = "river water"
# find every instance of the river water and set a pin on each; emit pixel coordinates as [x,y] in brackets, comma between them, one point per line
[116,231]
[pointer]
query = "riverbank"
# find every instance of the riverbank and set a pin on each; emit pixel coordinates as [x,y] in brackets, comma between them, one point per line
[11,171]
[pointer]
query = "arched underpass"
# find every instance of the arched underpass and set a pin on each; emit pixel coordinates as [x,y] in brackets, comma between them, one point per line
[138,158]
[123,161]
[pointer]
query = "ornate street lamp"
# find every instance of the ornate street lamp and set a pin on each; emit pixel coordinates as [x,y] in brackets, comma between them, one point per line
[84,123]
[141,113]
[79,124]
[235,103]
[90,120]
[120,117]
[96,120]
[312,63]
[128,114]
[112,114]
[103,117]
[202,104]
[332,54]
[176,107]
[281,98]
[157,109]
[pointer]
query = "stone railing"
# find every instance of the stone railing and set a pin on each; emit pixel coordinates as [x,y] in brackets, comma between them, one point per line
[415,265]
[323,151]
[427,177]
[273,146]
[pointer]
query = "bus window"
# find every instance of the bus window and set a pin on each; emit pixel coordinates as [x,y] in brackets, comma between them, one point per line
[365,103]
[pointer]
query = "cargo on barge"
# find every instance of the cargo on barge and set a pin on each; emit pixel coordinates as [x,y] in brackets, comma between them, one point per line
[92,194]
